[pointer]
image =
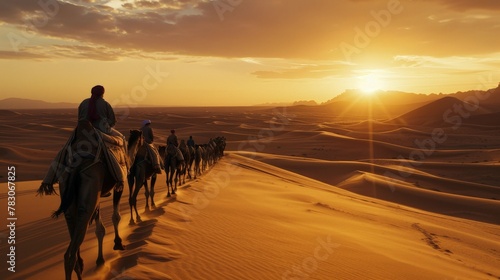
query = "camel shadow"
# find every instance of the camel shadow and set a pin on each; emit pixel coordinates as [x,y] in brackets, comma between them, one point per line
[129,258]
[142,238]
[157,212]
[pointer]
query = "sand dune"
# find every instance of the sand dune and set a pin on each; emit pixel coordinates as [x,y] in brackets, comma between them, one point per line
[269,223]
[298,195]
[440,111]
[8,113]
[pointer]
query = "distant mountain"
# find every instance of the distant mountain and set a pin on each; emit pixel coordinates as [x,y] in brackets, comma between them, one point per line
[489,99]
[21,103]
[273,104]
[379,105]
[305,102]
[390,104]
[385,97]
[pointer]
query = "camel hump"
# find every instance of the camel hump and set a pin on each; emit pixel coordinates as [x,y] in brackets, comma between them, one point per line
[180,156]
[171,150]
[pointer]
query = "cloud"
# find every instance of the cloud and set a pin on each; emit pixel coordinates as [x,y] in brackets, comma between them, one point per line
[292,29]
[22,55]
[303,72]
[462,65]
[464,5]
[85,52]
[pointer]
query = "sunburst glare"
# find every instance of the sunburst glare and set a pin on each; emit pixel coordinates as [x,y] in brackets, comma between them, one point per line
[370,83]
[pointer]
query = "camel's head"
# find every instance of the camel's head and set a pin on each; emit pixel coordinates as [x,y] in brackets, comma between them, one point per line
[135,138]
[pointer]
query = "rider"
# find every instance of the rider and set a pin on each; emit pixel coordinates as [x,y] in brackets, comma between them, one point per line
[190,142]
[102,117]
[172,139]
[147,133]
[100,113]
[173,145]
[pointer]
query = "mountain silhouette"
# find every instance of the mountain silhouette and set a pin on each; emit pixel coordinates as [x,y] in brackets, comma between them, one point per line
[22,103]
[410,108]
[445,110]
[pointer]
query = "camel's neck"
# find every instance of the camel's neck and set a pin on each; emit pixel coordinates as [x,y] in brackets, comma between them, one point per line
[133,150]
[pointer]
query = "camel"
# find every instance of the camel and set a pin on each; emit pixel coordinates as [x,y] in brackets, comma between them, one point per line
[142,169]
[185,171]
[81,189]
[210,152]
[198,156]
[205,155]
[173,167]
[219,147]
[189,163]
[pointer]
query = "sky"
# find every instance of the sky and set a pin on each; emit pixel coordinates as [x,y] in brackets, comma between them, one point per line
[244,52]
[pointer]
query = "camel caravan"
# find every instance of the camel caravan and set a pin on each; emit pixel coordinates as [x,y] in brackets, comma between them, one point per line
[96,160]
[93,164]
[177,162]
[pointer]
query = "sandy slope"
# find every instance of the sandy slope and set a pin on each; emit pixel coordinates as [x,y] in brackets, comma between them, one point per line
[297,196]
[248,220]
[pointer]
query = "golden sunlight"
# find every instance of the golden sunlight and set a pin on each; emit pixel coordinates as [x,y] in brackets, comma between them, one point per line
[370,83]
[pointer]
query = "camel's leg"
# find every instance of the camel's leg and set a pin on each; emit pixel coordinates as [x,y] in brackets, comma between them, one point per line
[132,203]
[167,175]
[131,179]
[100,231]
[146,193]
[168,185]
[188,167]
[175,176]
[197,170]
[89,191]
[116,219]
[70,217]
[79,265]
[184,173]
[169,179]
[139,181]
[152,190]
[181,177]
[179,174]
[176,180]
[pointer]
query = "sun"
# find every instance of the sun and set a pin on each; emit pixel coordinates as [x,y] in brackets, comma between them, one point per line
[370,83]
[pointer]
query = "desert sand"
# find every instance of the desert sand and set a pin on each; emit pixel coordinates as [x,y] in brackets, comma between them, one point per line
[301,193]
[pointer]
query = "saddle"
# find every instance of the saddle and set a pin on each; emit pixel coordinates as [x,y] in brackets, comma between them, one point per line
[115,157]
[173,151]
[110,149]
